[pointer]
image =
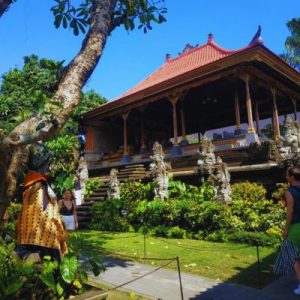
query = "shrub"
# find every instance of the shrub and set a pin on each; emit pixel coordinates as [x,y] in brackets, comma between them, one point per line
[136,190]
[253,238]
[48,279]
[217,236]
[176,232]
[278,194]
[175,210]
[161,231]
[107,216]
[248,191]
[91,185]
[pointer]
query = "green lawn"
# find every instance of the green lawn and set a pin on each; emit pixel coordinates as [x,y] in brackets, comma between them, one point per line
[227,262]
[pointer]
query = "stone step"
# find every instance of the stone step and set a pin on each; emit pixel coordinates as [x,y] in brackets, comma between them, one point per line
[83,207]
[134,166]
[82,214]
[96,198]
[131,171]
[102,193]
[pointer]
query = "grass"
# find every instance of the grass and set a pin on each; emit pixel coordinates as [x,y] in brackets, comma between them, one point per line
[224,261]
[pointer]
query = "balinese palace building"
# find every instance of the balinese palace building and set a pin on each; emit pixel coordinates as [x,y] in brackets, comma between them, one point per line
[226,94]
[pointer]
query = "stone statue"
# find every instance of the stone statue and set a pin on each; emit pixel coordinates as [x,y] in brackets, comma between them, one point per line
[83,175]
[289,144]
[40,229]
[206,152]
[159,172]
[206,158]
[221,181]
[113,191]
[213,169]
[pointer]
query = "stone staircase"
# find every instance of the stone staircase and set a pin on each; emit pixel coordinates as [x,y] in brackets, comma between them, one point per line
[84,210]
[130,172]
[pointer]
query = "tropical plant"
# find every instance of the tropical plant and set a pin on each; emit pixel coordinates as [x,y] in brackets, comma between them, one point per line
[48,279]
[91,185]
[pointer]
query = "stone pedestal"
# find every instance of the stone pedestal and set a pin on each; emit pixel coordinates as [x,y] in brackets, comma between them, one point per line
[176,151]
[125,159]
[252,138]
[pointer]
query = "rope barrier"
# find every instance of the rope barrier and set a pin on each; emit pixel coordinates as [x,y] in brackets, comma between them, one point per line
[140,258]
[142,276]
[202,248]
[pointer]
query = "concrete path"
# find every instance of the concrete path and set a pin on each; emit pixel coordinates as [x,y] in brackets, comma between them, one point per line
[164,284]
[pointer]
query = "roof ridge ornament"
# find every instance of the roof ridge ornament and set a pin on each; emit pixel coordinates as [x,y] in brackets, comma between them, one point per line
[257,39]
[210,38]
[187,48]
[168,57]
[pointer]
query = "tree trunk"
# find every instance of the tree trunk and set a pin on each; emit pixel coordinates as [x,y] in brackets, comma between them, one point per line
[58,109]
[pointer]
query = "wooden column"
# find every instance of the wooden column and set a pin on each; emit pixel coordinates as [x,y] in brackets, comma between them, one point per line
[257,117]
[143,145]
[295,109]
[275,116]
[125,117]
[173,100]
[237,111]
[183,129]
[249,105]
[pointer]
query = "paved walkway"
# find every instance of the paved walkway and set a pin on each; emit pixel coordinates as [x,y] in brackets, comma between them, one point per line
[164,284]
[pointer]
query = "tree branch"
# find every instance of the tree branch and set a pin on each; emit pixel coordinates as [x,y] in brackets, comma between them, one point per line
[67,96]
[4,4]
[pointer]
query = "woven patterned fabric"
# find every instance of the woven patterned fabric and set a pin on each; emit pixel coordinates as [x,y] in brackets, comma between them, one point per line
[286,258]
[39,226]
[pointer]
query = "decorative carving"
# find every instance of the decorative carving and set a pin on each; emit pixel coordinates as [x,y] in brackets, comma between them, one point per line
[159,172]
[213,169]
[221,181]
[289,144]
[206,158]
[260,153]
[83,175]
[113,191]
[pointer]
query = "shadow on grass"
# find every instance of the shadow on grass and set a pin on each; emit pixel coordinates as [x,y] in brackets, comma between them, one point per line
[88,243]
[262,284]
[253,281]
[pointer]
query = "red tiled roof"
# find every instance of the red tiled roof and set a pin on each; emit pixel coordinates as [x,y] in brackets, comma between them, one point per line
[190,59]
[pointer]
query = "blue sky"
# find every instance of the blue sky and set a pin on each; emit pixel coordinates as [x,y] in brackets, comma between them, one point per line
[27,28]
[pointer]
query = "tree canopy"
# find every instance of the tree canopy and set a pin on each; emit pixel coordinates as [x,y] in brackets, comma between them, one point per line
[98,18]
[292,44]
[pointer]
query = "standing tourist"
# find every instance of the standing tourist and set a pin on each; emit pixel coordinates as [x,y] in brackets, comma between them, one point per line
[68,211]
[287,259]
[40,229]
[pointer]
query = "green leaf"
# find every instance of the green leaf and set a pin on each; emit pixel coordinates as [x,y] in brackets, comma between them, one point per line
[59,289]
[77,283]
[49,280]
[68,268]
[65,22]
[57,21]
[13,287]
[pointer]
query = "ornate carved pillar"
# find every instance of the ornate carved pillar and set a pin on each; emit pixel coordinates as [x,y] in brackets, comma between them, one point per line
[275,116]
[249,105]
[176,148]
[143,145]
[257,117]
[125,157]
